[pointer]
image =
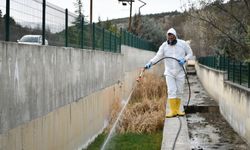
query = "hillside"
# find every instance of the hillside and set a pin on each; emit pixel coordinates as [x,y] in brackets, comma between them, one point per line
[124,21]
[214,28]
[153,27]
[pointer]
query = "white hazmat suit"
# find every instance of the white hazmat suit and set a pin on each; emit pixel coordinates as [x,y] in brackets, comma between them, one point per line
[175,76]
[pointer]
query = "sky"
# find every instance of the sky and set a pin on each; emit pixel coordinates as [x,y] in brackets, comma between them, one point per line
[111,9]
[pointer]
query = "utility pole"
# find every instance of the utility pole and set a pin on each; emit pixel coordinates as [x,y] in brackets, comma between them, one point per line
[129,24]
[124,3]
[91,9]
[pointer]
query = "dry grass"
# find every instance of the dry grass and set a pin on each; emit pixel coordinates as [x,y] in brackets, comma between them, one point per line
[143,117]
[150,87]
[146,110]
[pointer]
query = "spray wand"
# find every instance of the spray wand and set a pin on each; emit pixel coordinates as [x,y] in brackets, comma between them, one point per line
[141,74]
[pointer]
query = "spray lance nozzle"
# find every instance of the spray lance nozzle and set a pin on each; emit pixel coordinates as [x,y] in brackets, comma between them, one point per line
[141,74]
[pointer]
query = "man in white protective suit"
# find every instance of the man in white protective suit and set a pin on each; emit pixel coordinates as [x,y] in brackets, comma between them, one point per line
[174,73]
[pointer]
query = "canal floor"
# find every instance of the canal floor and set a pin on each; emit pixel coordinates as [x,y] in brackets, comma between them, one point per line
[207,128]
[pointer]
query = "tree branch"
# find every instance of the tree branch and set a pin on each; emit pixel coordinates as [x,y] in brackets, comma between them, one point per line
[246,2]
[220,30]
[233,16]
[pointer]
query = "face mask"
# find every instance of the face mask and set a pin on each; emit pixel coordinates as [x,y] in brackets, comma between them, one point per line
[172,42]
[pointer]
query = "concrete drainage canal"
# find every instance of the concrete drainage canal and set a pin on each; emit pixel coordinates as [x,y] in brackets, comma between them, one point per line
[207,128]
[141,124]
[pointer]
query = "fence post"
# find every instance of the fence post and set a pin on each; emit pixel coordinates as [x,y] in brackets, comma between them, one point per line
[115,43]
[82,27]
[93,36]
[110,34]
[248,75]
[103,33]
[120,44]
[7,21]
[127,34]
[131,39]
[228,68]
[66,27]
[209,64]
[240,72]
[126,37]
[214,63]
[220,62]
[137,42]
[224,63]
[233,70]
[43,23]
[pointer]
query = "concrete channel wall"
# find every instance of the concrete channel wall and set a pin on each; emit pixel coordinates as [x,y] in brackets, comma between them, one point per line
[60,98]
[233,99]
[134,60]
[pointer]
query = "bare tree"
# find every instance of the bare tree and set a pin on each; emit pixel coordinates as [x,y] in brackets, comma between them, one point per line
[227,24]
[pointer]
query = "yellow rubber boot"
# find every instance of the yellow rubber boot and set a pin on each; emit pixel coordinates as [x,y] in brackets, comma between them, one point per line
[172,106]
[178,103]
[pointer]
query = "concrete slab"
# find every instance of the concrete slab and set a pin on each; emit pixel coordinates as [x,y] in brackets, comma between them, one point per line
[171,127]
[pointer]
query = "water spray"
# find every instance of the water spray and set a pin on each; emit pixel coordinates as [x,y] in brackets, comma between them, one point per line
[117,120]
[132,90]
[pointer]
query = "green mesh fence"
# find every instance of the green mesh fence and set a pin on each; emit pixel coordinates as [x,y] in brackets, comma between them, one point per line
[59,27]
[55,25]
[2,21]
[238,72]
[105,40]
[132,40]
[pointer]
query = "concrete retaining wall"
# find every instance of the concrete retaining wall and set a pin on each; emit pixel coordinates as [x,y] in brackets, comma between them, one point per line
[134,60]
[69,127]
[60,98]
[233,99]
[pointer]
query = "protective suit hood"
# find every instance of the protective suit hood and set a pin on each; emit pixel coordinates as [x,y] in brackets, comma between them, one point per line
[172,31]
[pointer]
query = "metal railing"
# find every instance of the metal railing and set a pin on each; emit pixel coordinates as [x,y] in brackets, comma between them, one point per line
[60,27]
[238,72]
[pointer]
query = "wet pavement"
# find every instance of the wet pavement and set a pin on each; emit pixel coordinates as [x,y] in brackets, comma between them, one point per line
[207,128]
[203,127]
[211,132]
